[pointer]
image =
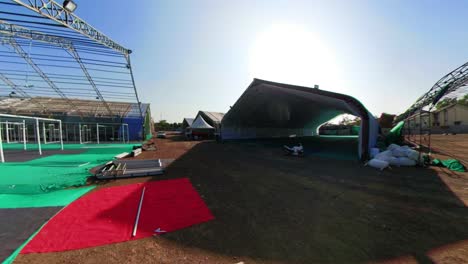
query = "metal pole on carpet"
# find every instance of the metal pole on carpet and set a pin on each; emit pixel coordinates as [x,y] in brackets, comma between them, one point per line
[1,145]
[38,135]
[135,227]
[24,134]
[60,133]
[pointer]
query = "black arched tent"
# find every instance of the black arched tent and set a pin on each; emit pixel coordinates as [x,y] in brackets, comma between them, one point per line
[273,110]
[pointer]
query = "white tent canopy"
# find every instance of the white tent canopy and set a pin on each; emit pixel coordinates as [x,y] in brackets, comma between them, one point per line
[200,123]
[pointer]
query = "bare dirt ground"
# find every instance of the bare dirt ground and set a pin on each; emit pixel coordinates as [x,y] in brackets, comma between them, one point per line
[272,208]
[449,147]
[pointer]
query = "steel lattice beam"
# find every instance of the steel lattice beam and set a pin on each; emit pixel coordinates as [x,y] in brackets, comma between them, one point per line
[19,50]
[72,51]
[20,90]
[55,11]
[447,84]
[18,31]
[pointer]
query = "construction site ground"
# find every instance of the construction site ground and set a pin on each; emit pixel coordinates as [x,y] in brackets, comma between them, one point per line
[272,208]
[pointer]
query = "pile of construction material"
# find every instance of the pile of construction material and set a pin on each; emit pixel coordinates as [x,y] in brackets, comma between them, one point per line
[149,145]
[394,156]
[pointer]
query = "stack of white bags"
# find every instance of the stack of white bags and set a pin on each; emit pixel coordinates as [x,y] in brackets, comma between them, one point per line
[394,155]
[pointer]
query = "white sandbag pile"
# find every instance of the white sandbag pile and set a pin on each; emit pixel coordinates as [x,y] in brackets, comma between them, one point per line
[394,155]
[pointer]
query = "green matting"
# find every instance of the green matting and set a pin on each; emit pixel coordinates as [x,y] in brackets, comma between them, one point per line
[57,198]
[56,172]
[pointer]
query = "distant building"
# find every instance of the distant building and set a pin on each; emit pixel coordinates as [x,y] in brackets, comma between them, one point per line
[452,118]
[120,120]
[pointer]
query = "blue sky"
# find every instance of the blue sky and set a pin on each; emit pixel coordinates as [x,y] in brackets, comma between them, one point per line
[198,55]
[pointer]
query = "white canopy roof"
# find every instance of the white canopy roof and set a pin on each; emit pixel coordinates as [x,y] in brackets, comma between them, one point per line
[200,123]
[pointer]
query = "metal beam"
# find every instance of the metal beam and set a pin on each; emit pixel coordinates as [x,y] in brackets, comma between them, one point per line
[447,84]
[72,51]
[19,50]
[19,31]
[20,90]
[55,11]
[129,66]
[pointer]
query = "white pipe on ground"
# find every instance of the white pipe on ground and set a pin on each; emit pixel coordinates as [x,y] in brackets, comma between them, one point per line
[138,213]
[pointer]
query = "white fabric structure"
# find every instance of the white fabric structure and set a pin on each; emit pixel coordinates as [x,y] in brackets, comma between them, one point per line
[273,110]
[200,123]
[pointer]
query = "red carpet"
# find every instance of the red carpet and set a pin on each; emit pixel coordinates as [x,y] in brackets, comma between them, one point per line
[108,215]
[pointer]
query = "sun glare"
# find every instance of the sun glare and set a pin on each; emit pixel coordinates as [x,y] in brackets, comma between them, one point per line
[291,54]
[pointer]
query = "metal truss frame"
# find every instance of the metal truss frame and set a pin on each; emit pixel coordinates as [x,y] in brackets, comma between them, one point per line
[19,50]
[20,90]
[18,31]
[47,27]
[447,84]
[55,11]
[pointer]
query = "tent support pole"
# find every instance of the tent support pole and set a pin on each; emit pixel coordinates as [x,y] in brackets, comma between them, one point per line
[44,132]
[38,135]
[61,135]
[24,134]
[7,130]
[97,132]
[123,133]
[128,135]
[2,157]
[79,132]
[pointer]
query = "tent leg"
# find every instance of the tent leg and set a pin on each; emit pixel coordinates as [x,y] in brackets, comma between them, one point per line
[128,135]
[38,135]
[97,132]
[60,133]
[122,134]
[2,157]
[7,130]
[44,132]
[79,131]
[24,134]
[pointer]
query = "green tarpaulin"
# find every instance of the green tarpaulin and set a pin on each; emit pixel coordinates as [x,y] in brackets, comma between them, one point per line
[395,135]
[451,164]
[57,198]
[56,172]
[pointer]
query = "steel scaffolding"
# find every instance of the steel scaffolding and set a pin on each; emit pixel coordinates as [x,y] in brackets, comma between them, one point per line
[47,51]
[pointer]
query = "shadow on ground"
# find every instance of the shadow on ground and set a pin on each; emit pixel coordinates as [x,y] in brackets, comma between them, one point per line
[271,207]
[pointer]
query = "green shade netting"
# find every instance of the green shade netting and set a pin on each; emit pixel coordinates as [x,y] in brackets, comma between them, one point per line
[395,134]
[57,171]
[57,198]
[451,164]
